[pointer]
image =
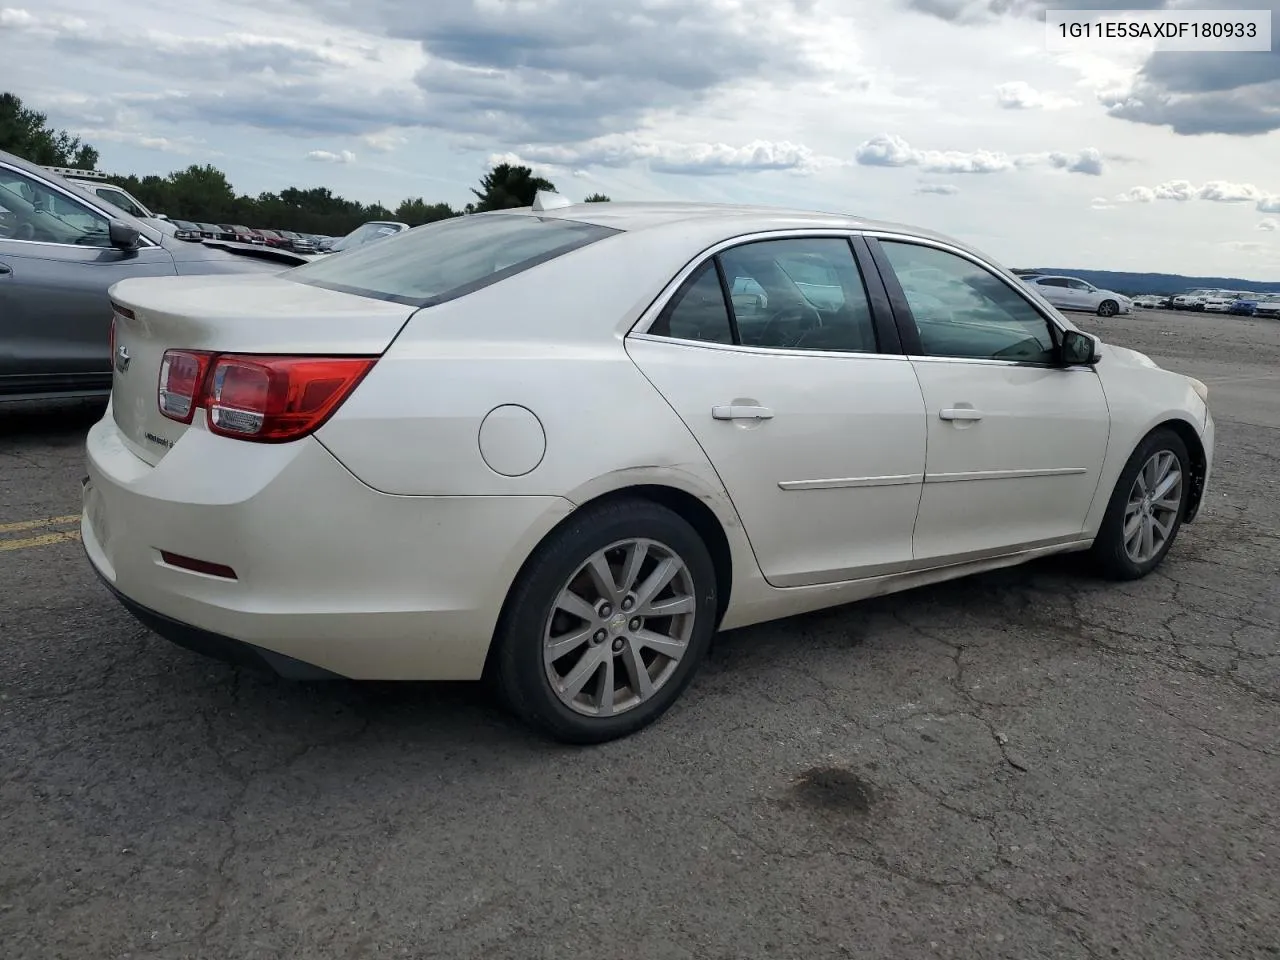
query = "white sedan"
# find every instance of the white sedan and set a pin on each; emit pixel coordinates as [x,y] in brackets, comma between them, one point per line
[1072,293]
[562,446]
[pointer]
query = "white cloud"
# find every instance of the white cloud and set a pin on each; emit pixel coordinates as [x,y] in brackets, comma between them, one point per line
[665,156]
[185,146]
[1268,224]
[888,150]
[941,189]
[329,156]
[384,141]
[1213,191]
[1020,95]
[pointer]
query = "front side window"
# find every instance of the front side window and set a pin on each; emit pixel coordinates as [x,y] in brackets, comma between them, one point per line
[962,310]
[448,259]
[800,294]
[1079,285]
[1052,282]
[40,214]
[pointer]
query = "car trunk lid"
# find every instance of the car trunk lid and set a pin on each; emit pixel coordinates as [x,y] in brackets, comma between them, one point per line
[227,314]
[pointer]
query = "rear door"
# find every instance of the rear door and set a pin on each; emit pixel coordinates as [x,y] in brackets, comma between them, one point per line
[799,397]
[56,263]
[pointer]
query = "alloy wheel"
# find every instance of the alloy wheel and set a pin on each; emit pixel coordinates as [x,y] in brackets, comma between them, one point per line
[1151,513]
[619,627]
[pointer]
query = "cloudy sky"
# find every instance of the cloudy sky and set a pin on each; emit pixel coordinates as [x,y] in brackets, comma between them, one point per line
[951,114]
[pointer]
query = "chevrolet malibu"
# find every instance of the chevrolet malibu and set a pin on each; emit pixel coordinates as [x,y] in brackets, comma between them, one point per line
[560,447]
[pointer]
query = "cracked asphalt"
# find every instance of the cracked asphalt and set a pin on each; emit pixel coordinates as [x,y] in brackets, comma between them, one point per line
[1026,764]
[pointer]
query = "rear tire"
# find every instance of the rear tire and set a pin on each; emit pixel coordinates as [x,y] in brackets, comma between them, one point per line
[607,623]
[1143,517]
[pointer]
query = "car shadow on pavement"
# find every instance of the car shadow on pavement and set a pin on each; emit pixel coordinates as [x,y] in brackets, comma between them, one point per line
[263,713]
[48,422]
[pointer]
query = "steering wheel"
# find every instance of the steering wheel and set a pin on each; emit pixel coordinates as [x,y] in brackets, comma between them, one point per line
[796,315]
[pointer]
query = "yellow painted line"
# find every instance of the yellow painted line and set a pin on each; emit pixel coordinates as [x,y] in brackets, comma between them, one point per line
[21,525]
[41,541]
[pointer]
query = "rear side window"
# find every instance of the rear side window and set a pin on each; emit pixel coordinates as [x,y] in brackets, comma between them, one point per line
[697,312]
[445,260]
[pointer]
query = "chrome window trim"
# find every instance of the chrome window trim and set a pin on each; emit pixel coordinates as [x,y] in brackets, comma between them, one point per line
[766,351]
[73,198]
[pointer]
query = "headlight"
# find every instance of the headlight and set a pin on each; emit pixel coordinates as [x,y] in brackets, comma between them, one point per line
[1201,390]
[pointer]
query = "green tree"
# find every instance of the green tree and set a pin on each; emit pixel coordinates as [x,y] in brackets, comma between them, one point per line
[201,193]
[26,132]
[507,186]
[597,198]
[417,211]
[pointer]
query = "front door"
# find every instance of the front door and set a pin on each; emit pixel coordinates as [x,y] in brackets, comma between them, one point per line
[818,438]
[56,265]
[1015,441]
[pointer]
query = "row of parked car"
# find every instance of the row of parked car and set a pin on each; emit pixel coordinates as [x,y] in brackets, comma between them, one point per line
[97,184]
[1240,303]
[1072,293]
[286,239]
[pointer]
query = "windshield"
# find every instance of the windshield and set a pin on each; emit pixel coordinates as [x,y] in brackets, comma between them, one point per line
[448,259]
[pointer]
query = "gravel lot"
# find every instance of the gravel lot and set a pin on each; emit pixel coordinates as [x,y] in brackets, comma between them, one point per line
[1028,764]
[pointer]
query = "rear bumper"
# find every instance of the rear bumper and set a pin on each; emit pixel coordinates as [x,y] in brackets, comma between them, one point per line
[217,647]
[328,572]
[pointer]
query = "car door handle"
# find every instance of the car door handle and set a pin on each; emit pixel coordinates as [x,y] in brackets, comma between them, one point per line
[5,269]
[737,411]
[960,413]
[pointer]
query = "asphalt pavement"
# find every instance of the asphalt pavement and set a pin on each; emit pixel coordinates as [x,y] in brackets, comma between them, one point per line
[1026,764]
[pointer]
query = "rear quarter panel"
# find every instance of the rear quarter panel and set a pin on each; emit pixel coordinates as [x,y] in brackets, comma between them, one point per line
[550,340]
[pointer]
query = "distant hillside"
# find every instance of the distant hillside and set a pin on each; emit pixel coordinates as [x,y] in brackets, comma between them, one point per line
[1136,284]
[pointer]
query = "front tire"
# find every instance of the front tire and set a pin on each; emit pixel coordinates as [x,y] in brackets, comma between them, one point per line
[1146,508]
[607,623]
[1108,308]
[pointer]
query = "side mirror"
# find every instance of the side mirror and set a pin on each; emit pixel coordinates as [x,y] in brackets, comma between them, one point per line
[1079,349]
[123,236]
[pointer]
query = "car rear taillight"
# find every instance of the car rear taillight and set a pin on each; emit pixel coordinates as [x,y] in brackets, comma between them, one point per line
[266,399]
[182,378]
[275,399]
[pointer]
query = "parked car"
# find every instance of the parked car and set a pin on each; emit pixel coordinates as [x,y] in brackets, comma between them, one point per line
[367,233]
[236,233]
[1243,307]
[1218,303]
[270,237]
[60,249]
[1268,307]
[1072,293]
[1192,299]
[186,230]
[99,184]
[737,465]
[297,242]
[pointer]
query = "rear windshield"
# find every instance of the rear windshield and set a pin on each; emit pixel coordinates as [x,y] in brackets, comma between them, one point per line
[449,259]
